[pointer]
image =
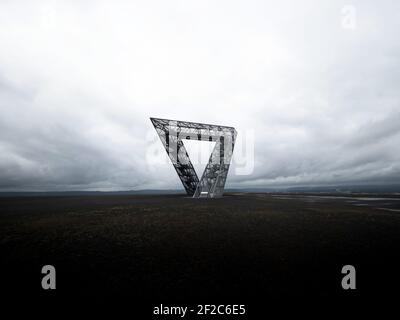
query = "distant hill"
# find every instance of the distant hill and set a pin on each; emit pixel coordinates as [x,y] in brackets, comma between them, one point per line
[394,188]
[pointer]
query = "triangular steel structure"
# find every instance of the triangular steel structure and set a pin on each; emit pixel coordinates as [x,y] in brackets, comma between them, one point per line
[212,182]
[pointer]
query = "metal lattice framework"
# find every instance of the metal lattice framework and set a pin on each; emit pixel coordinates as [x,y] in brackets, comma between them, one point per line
[212,182]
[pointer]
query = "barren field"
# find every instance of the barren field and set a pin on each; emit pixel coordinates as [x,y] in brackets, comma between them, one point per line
[174,248]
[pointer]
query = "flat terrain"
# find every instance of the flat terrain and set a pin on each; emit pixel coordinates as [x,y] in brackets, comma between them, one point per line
[174,248]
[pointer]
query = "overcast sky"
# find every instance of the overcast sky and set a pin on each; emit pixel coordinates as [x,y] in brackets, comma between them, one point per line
[317,81]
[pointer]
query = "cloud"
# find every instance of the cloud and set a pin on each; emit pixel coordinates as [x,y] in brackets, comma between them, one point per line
[79,81]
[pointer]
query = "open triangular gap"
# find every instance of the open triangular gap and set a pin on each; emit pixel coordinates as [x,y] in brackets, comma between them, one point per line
[199,153]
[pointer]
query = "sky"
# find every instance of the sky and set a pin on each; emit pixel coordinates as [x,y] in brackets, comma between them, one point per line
[312,87]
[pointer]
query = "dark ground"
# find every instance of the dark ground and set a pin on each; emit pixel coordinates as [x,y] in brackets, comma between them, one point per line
[170,248]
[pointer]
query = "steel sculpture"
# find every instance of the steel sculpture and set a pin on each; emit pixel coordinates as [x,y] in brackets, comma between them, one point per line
[212,182]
